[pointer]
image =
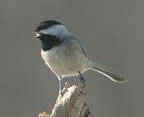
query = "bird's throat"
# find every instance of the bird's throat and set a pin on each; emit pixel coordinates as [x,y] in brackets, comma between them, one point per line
[48,42]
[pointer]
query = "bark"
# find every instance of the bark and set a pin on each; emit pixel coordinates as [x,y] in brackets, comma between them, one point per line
[73,103]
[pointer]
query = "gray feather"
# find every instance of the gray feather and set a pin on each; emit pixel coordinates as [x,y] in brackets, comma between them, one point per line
[115,77]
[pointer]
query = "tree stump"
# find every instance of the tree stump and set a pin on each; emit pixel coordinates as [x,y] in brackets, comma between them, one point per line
[73,103]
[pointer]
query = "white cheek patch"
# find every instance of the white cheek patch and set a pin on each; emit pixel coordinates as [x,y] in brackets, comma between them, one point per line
[57,30]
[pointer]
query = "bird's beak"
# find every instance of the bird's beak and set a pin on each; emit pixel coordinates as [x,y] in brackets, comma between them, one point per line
[36,34]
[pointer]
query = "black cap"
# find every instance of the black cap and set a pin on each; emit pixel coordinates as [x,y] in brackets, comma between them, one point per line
[46,24]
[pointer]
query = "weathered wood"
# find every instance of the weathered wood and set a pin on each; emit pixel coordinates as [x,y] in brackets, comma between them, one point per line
[73,103]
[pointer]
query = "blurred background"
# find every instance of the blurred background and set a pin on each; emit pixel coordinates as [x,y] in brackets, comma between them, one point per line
[112,31]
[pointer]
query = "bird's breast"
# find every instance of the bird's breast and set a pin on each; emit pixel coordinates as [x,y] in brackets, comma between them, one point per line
[65,60]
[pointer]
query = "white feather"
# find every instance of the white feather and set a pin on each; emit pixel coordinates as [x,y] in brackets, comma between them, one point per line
[56,30]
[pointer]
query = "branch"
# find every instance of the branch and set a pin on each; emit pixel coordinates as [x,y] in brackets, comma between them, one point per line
[71,104]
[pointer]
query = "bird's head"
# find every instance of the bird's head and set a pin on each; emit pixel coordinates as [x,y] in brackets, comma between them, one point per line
[52,28]
[50,33]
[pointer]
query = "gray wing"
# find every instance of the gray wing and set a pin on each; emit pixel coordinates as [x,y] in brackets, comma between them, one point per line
[73,38]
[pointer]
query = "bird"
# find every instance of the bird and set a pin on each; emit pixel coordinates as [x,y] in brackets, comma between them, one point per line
[66,55]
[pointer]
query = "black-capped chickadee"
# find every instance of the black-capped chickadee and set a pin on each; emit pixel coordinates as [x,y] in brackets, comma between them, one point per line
[63,53]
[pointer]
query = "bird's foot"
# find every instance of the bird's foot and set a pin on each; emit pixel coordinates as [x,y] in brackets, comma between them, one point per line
[82,79]
[82,82]
[61,93]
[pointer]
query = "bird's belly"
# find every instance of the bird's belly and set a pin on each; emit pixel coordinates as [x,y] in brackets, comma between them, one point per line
[64,64]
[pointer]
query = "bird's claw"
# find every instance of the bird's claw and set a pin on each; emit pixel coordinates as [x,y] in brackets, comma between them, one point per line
[82,79]
[61,93]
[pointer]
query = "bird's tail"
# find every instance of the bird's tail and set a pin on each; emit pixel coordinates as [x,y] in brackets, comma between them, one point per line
[115,77]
